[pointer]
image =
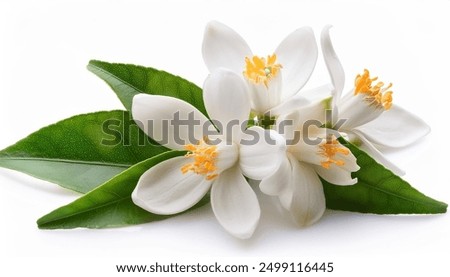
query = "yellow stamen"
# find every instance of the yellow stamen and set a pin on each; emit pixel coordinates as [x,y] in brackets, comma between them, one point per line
[329,149]
[375,95]
[260,70]
[204,159]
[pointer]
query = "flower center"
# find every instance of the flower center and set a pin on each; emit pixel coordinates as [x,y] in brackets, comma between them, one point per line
[260,70]
[375,95]
[329,149]
[204,159]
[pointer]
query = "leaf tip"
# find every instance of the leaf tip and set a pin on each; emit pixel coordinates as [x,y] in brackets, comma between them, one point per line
[91,64]
[444,207]
[41,223]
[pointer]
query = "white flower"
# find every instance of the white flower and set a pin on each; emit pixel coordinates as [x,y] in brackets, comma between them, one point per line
[372,121]
[273,82]
[314,153]
[177,184]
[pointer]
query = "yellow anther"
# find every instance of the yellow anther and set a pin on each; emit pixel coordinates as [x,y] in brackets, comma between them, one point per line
[329,149]
[204,159]
[375,95]
[260,70]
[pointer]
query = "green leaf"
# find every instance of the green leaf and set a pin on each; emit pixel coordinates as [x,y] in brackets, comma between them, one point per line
[109,205]
[378,191]
[127,80]
[83,151]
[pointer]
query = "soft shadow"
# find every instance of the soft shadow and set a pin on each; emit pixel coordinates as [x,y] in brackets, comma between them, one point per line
[35,184]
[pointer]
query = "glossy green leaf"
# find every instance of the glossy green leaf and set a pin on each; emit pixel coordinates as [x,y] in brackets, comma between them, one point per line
[109,205]
[379,191]
[127,80]
[83,151]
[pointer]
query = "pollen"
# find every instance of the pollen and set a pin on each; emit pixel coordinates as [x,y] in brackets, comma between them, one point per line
[204,159]
[261,70]
[329,150]
[378,94]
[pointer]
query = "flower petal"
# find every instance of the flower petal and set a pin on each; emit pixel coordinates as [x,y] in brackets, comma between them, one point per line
[367,146]
[356,111]
[259,96]
[395,128]
[227,101]
[265,98]
[286,195]
[223,47]
[288,106]
[228,155]
[334,66]
[160,117]
[289,126]
[164,189]
[279,181]
[308,200]
[302,99]
[322,92]
[261,152]
[300,124]
[297,53]
[309,148]
[337,175]
[235,204]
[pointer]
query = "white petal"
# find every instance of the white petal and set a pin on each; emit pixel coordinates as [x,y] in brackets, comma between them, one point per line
[223,47]
[347,96]
[293,126]
[259,97]
[319,93]
[228,155]
[265,98]
[333,65]
[289,126]
[286,195]
[275,91]
[349,160]
[356,111]
[367,146]
[261,152]
[308,148]
[164,189]
[235,204]
[161,118]
[337,175]
[312,153]
[395,128]
[278,181]
[308,201]
[227,101]
[313,114]
[290,105]
[297,53]
[302,99]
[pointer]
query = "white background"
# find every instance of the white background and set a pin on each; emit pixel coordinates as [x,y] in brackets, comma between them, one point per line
[45,46]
